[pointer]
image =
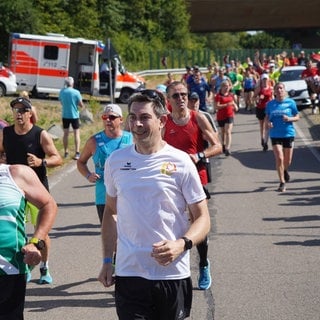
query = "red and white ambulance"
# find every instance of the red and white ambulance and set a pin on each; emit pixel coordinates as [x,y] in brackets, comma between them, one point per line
[42,62]
[8,83]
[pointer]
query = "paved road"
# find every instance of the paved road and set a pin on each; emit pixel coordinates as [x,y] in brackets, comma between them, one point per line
[264,246]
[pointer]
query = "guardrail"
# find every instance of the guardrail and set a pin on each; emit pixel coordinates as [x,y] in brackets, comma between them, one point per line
[162,72]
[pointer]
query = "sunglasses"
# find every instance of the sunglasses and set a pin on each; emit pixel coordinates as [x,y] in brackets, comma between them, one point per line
[177,95]
[111,117]
[20,110]
[153,95]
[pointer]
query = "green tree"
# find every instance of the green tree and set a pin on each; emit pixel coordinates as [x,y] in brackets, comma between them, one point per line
[262,40]
[15,16]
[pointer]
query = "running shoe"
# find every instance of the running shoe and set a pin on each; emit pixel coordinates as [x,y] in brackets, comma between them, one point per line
[282,187]
[204,281]
[45,277]
[28,276]
[227,153]
[265,147]
[66,155]
[76,156]
[286,176]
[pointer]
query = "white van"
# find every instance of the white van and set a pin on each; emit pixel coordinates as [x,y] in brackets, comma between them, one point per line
[296,86]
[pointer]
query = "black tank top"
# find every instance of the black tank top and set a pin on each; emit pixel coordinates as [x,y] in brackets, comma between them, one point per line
[17,146]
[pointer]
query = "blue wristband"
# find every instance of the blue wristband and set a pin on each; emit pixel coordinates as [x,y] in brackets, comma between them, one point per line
[107,260]
[88,175]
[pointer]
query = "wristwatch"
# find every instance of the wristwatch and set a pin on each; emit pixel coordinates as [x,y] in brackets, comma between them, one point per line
[44,162]
[201,155]
[188,244]
[39,244]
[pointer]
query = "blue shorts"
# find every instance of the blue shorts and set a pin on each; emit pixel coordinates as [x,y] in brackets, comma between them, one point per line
[139,298]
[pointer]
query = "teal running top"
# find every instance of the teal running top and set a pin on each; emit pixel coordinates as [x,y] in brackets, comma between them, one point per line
[12,224]
[104,147]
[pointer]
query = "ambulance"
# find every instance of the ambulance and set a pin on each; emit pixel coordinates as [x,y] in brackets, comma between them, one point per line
[42,62]
[7,81]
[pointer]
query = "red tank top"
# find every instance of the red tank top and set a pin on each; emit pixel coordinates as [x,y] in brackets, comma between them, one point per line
[187,138]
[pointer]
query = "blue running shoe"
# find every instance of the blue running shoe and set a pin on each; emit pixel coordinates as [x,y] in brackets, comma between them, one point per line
[45,277]
[204,281]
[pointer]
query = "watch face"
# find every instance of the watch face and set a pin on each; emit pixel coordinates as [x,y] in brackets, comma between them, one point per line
[41,245]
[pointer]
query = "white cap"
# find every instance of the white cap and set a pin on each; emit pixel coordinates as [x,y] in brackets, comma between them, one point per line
[264,76]
[114,108]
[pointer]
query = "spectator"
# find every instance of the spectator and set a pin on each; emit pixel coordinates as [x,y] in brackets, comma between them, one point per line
[71,99]
[152,268]
[17,184]
[281,112]
[99,147]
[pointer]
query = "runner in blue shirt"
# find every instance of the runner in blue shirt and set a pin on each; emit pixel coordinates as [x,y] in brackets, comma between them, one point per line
[281,112]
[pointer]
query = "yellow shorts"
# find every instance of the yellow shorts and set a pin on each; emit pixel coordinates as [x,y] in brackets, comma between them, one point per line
[31,213]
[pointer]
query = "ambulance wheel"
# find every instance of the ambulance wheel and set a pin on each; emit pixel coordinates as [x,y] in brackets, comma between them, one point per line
[39,95]
[125,95]
[2,90]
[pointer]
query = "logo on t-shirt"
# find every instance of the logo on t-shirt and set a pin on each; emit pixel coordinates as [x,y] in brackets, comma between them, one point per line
[168,168]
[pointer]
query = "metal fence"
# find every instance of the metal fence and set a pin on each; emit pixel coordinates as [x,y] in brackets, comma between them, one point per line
[172,59]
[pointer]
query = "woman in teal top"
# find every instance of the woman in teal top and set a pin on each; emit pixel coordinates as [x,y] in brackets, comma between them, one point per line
[99,147]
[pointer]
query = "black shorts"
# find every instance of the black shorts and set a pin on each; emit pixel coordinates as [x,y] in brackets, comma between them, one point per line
[139,298]
[285,142]
[12,296]
[75,123]
[260,113]
[221,123]
[238,92]
[248,90]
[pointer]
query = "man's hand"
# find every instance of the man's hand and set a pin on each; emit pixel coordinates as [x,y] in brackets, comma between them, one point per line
[32,256]
[166,251]
[106,276]
[33,161]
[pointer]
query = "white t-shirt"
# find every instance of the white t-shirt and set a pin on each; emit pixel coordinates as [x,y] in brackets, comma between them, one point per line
[152,195]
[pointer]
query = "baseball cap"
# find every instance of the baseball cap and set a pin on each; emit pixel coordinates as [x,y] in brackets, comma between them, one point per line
[25,102]
[114,108]
[264,76]
[271,65]
[194,96]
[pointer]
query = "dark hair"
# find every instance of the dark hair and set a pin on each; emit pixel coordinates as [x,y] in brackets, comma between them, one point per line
[154,96]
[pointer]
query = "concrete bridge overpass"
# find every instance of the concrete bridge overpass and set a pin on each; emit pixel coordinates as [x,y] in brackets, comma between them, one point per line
[243,15]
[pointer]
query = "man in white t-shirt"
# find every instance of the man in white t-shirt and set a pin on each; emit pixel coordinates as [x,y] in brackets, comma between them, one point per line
[150,186]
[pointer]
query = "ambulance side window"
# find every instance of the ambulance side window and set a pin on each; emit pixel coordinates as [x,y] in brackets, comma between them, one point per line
[51,52]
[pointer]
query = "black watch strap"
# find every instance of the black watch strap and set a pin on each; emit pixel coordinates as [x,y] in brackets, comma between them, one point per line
[188,244]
